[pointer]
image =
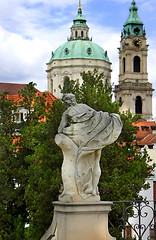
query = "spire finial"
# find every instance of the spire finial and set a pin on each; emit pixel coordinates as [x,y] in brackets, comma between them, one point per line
[133,2]
[80,5]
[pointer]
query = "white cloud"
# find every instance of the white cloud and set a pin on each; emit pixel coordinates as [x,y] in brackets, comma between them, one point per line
[109,40]
[22,60]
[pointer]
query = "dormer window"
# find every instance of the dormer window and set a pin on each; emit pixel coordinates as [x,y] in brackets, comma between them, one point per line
[66,51]
[145,128]
[89,51]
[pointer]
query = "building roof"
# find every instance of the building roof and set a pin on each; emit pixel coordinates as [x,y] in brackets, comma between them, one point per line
[149,140]
[11,88]
[133,15]
[13,92]
[133,26]
[80,49]
[49,97]
[146,134]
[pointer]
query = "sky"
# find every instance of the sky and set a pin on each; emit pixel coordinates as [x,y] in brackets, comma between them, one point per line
[31,29]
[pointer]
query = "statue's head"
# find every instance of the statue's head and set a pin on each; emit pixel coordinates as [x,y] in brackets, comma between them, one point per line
[69,99]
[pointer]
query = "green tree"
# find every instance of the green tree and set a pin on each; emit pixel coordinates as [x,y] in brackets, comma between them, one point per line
[42,157]
[12,205]
[30,164]
[93,92]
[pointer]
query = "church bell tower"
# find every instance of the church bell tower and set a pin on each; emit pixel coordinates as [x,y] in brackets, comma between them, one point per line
[134,91]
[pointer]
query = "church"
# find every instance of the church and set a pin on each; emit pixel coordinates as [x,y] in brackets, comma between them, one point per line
[80,54]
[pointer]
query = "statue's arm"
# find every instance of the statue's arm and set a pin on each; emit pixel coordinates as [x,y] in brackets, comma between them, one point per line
[63,123]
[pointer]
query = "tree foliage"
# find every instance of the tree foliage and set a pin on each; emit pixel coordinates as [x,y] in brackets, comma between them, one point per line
[30,161]
[30,164]
[12,206]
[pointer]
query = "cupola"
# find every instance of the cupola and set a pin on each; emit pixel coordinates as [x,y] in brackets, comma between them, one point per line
[79,30]
[133,26]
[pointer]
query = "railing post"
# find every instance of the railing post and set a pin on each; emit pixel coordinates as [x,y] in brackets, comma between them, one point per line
[124,222]
[139,214]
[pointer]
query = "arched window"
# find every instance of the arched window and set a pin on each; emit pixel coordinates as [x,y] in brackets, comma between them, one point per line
[136,64]
[81,33]
[120,100]
[138,105]
[124,65]
[76,34]
[51,86]
[66,84]
[136,30]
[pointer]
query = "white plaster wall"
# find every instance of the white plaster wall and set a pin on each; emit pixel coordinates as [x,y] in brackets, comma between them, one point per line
[58,69]
[129,97]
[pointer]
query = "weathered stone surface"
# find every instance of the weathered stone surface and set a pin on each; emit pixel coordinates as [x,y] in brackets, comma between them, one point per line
[82,134]
[75,221]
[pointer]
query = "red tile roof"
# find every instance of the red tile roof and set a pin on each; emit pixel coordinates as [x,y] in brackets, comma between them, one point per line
[49,99]
[12,97]
[11,88]
[149,140]
[141,134]
[145,136]
[145,124]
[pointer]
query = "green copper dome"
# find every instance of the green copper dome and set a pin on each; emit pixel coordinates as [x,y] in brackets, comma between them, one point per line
[133,26]
[79,45]
[79,49]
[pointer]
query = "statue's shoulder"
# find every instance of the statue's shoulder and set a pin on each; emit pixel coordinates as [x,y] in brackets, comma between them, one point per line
[84,107]
[78,109]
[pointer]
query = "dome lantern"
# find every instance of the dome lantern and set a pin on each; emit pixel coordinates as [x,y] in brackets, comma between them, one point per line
[79,30]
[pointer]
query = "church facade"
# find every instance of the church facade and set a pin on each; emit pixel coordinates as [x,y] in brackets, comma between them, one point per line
[78,54]
[134,91]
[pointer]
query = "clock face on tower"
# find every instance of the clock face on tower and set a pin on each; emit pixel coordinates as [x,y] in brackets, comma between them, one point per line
[136,43]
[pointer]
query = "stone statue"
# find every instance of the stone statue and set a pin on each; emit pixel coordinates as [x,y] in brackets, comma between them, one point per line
[82,134]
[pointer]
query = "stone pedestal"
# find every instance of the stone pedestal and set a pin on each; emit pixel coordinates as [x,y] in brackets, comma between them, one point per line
[80,221]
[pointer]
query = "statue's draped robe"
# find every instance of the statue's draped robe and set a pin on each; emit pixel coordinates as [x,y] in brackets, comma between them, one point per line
[90,131]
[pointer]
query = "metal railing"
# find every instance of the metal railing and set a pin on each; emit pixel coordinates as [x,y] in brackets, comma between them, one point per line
[133,220]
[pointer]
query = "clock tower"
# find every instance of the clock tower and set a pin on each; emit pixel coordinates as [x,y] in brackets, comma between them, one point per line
[134,91]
